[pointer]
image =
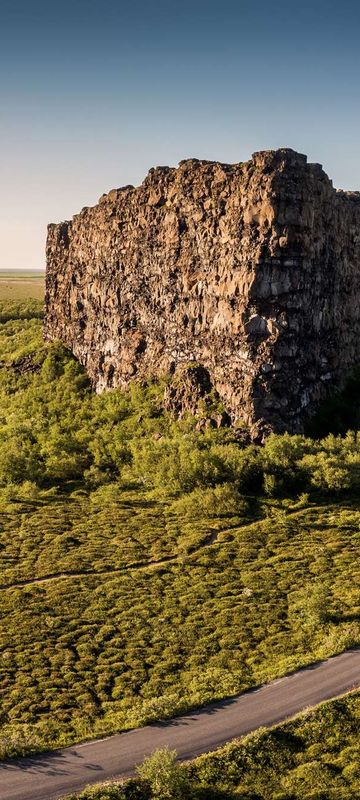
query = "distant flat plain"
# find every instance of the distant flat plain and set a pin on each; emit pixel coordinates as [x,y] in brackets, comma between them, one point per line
[21,284]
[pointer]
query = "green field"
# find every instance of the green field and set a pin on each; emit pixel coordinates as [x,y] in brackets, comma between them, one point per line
[116,645]
[21,284]
[148,567]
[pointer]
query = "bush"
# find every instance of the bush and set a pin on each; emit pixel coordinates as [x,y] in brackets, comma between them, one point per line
[166,778]
[222,501]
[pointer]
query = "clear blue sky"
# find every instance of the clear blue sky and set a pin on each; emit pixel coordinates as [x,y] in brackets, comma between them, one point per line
[95,92]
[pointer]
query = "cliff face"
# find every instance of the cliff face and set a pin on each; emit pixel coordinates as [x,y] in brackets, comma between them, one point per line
[250,271]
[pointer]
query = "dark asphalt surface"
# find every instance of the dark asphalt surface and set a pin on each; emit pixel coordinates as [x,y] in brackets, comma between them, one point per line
[64,771]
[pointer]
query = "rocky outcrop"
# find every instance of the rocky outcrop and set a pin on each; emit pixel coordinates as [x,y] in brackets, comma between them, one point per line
[248,271]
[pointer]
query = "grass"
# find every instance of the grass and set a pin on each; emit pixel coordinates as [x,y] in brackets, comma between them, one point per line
[147,567]
[21,284]
[89,654]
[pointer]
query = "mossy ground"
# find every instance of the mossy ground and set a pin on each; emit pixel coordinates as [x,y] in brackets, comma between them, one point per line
[147,567]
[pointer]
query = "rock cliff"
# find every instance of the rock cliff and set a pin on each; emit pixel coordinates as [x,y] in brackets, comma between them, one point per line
[248,271]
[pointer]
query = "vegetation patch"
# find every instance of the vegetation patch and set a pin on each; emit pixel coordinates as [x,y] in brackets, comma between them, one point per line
[21,285]
[146,566]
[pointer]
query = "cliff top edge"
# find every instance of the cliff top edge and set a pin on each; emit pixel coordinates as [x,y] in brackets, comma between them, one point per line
[276,160]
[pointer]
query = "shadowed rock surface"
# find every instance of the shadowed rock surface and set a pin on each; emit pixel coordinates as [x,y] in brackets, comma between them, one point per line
[248,272]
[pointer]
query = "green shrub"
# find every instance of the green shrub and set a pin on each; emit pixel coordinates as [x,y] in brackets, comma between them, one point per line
[223,501]
[166,778]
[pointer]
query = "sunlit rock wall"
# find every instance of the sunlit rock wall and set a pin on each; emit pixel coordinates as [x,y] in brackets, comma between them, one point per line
[250,271]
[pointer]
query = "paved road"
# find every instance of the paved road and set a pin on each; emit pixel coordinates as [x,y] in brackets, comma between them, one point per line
[64,771]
